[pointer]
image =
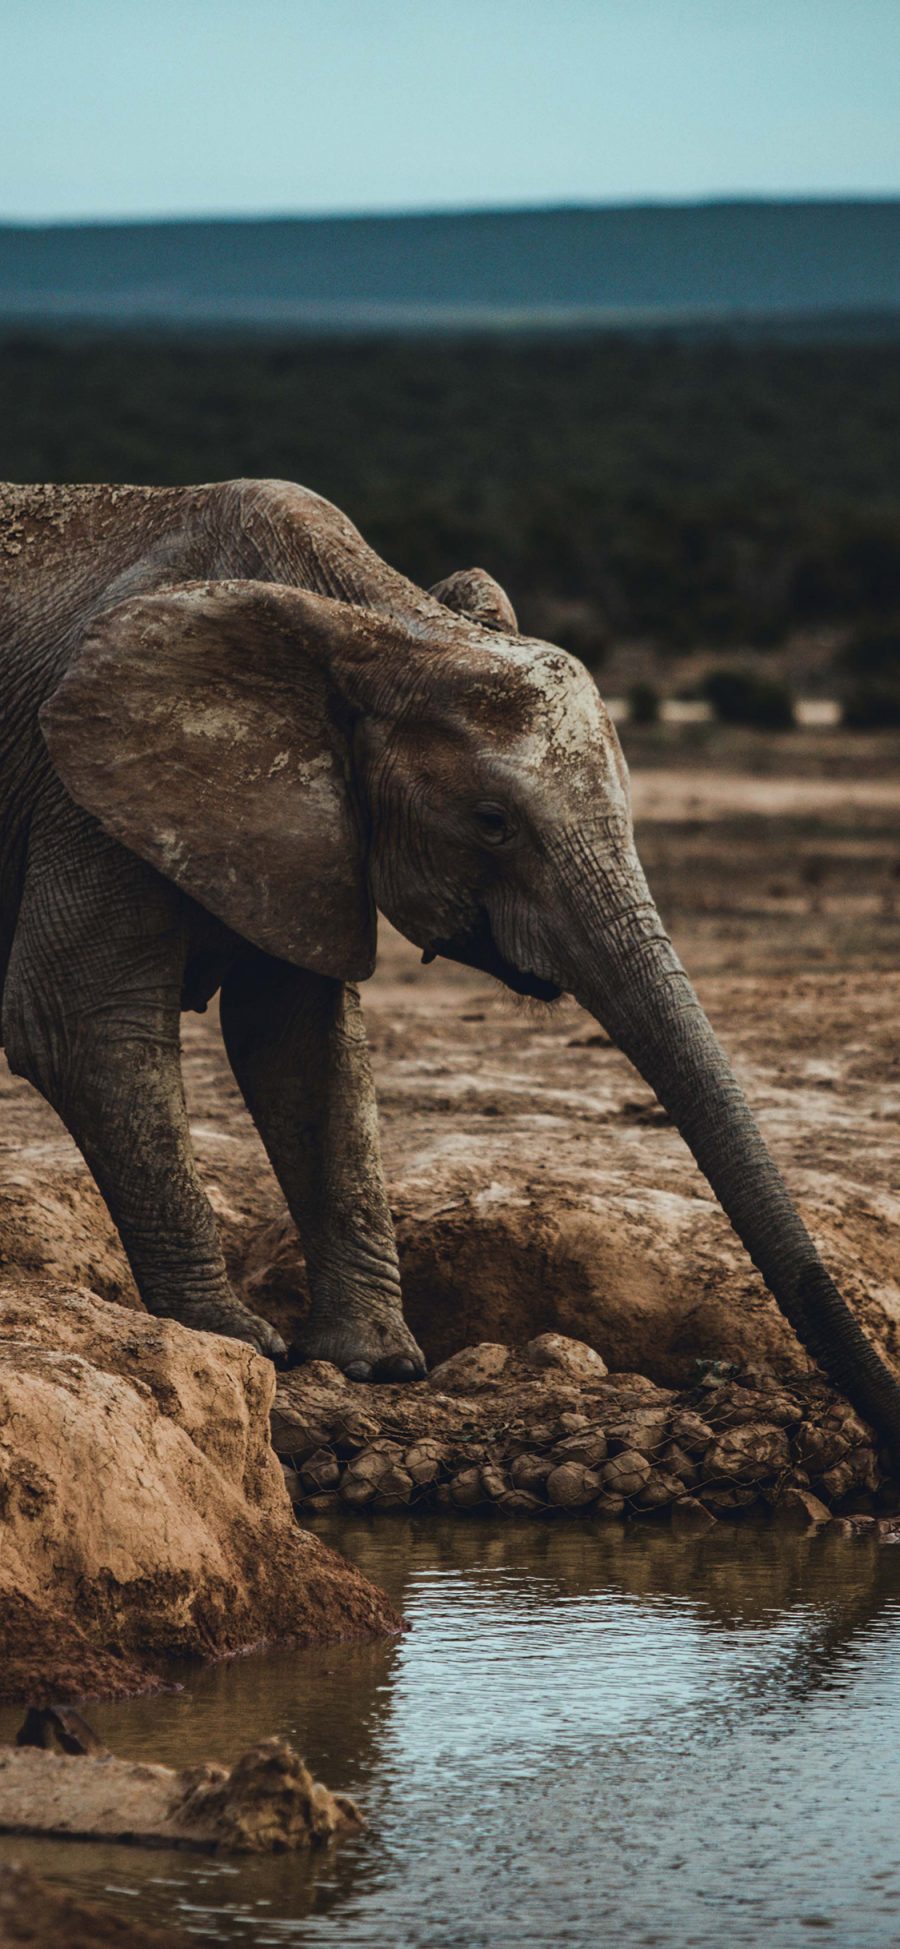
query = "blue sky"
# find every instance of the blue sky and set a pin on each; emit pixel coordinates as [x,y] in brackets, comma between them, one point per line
[156,107]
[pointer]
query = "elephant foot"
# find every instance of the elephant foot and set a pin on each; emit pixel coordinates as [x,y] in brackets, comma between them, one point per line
[365,1347]
[236,1323]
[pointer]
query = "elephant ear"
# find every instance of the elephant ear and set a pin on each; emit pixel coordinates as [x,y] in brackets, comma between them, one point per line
[473,592]
[203,728]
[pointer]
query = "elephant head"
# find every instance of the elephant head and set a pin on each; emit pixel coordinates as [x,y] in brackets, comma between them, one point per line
[294,762]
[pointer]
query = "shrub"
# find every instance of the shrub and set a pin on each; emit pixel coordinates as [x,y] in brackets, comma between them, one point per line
[871,706]
[643,704]
[742,697]
[869,670]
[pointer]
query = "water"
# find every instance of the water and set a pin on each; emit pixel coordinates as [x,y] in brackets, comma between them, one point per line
[587,1737]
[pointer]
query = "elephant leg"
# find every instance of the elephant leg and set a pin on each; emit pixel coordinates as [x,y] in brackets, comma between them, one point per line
[91,1018]
[297,1045]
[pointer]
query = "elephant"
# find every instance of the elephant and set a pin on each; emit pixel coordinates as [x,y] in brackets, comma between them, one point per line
[232,735]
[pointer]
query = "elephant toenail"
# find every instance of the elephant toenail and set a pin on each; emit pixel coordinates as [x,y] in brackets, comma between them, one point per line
[401,1368]
[358,1370]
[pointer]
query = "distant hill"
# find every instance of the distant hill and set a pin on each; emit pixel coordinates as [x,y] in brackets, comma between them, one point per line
[635,264]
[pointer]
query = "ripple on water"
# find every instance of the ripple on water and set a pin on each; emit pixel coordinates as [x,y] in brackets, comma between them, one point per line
[586,1736]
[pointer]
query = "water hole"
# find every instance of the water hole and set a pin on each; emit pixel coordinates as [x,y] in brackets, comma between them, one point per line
[585,1736]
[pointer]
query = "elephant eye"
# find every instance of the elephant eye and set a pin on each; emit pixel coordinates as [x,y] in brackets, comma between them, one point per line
[493,824]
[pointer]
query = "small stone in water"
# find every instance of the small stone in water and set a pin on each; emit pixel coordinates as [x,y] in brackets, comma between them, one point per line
[690,1517]
[801,1508]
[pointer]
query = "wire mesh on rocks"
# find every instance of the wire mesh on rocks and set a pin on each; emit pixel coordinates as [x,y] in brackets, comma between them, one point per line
[546,1430]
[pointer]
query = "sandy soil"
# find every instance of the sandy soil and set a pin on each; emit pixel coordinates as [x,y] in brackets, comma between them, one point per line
[536,1184]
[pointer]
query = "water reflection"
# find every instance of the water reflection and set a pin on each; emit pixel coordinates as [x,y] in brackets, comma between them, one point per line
[585,1734]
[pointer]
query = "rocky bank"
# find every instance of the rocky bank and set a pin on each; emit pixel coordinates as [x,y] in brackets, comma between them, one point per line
[144,1516]
[547,1430]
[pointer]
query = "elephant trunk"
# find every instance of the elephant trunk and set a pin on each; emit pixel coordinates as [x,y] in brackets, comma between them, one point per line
[631,979]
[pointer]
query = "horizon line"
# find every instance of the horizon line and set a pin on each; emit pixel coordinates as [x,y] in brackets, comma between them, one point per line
[719,199]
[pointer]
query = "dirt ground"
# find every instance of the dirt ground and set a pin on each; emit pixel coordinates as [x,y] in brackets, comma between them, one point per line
[536,1184]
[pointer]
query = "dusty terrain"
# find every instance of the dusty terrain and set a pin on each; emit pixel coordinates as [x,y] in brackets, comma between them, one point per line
[536,1184]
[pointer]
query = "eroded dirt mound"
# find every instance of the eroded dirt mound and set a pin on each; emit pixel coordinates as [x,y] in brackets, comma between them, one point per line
[548,1430]
[144,1514]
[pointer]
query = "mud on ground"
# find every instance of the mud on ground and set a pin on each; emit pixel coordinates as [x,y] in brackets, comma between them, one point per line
[537,1186]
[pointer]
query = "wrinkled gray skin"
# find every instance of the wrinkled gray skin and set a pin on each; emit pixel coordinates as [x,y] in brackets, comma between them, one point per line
[230,732]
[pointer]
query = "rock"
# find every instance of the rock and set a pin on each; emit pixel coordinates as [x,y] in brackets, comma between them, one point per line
[34,1914]
[609,1507]
[573,1357]
[572,1486]
[625,1474]
[660,1489]
[395,1488]
[691,1432]
[494,1483]
[831,1439]
[571,1422]
[738,1403]
[730,1496]
[470,1369]
[529,1473]
[350,1429]
[677,1462]
[320,1471]
[356,1494]
[268,1803]
[588,1447]
[517,1502]
[366,1474]
[424,1461]
[801,1509]
[858,1471]
[466,1490]
[644,1429]
[690,1518]
[145,1516]
[749,1451]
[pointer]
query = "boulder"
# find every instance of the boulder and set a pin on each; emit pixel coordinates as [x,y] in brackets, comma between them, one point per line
[572,1486]
[747,1452]
[566,1356]
[801,1509]
[470,1369]
[145,1516]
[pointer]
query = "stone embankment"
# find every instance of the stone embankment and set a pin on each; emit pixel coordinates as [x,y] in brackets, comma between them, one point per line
[143,1513]
[548,1430]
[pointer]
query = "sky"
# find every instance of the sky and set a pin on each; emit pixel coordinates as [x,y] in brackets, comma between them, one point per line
[117,108]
